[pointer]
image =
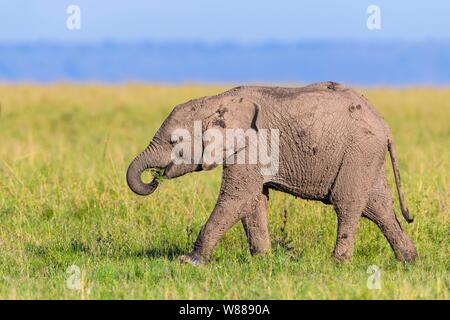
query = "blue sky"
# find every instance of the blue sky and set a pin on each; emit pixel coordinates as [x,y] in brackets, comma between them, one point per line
[245,21]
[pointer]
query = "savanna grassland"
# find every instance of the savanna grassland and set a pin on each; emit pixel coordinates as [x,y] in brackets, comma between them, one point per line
[64,151]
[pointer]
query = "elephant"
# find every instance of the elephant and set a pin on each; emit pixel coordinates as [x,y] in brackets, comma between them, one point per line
[332,147]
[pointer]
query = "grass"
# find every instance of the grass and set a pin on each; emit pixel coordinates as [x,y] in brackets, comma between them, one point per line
[64,150]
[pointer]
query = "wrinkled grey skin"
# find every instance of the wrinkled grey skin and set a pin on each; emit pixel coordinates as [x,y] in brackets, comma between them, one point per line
[332,149]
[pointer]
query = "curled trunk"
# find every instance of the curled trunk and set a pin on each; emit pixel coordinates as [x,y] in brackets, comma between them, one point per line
[135,170]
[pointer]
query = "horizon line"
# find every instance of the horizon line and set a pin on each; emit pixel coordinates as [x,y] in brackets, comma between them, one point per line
[235,43]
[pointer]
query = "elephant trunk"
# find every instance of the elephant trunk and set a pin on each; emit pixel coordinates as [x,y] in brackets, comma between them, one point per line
[141,163]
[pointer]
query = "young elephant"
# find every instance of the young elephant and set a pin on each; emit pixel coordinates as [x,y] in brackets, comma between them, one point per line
[331,147]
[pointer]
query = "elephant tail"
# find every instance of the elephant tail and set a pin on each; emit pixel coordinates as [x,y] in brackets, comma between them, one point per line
[401,197]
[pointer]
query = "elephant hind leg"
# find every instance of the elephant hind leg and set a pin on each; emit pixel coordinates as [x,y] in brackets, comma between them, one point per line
[255,225]
[350,194]
[348,215]
[380,210]
[349,200]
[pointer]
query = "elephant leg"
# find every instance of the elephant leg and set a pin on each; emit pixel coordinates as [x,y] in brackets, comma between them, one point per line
[255,225]
[380,210]
[240,190]
[350,194]
[348,218]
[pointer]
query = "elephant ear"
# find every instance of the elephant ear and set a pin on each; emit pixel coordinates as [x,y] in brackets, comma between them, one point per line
[231,113]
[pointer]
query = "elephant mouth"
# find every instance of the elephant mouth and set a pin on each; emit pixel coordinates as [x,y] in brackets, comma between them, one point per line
[173,170]
[158,174]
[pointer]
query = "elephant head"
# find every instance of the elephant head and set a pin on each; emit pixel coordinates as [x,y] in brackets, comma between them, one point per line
[227,110]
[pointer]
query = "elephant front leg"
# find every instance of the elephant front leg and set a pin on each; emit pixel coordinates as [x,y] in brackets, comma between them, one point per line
[224,216]
[256,226]
[240,191]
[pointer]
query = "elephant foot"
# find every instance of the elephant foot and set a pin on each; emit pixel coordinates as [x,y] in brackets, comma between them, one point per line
[259,251]
[191,259]
[407,255]
[341,257]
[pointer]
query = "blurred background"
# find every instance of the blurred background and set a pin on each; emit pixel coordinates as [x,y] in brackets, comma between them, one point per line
[232,41]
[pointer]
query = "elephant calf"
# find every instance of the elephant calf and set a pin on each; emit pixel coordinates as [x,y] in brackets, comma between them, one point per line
[331,145]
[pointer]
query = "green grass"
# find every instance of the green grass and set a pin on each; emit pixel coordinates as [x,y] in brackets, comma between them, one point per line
[64,151]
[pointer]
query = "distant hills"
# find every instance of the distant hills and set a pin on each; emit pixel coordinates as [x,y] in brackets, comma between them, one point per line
[393,63]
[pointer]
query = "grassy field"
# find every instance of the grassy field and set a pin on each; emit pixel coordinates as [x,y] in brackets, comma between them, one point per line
[64,150]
